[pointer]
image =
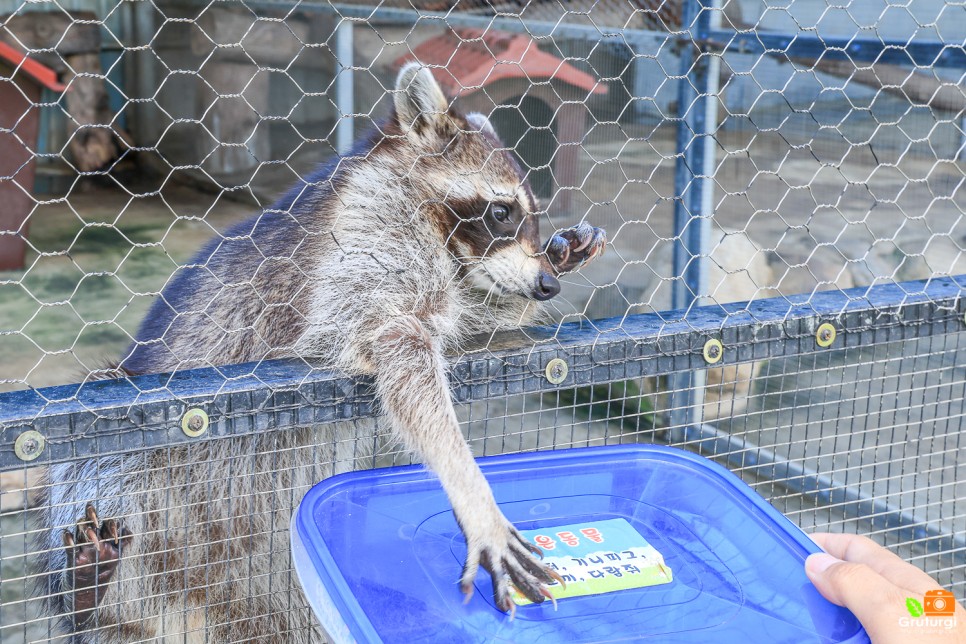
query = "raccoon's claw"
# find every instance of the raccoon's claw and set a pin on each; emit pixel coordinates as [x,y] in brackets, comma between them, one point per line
[510,564]
[93,552]
[570,249]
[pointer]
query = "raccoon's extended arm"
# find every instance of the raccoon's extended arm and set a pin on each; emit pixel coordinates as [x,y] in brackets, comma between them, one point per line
[414,392]
[571,248]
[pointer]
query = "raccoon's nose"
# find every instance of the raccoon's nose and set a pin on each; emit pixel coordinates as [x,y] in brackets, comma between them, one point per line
[547,287]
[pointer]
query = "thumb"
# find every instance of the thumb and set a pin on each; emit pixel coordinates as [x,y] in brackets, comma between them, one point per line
[875,601]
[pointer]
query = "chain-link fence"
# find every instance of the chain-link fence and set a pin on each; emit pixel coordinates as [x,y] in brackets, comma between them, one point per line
[782,188]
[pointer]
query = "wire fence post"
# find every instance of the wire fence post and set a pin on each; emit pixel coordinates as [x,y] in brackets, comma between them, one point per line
[344,96]
[694,188]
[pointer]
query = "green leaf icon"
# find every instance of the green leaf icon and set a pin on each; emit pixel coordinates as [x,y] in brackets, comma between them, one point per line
[914,607]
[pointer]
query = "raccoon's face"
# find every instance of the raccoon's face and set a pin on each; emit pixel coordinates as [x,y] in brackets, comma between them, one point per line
[474,191]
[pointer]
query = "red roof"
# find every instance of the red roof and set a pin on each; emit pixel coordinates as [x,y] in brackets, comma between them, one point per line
[38,71]
[465,60]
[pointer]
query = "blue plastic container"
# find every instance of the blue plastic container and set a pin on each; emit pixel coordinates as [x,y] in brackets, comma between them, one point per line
[379,555]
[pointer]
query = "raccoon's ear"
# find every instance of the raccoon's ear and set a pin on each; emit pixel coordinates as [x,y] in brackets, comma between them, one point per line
[419,99]
[482,124]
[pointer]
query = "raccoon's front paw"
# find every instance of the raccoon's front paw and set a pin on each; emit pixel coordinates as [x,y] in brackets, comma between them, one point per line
[509,558]
[93,552]
[570,249]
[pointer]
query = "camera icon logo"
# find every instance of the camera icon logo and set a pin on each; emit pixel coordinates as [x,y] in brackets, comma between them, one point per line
[939,603]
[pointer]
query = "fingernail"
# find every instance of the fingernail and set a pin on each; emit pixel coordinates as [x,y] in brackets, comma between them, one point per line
[820,562]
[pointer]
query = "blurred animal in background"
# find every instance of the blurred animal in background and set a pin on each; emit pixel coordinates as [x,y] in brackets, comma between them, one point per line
[19,488]
[70,44]
[381,262]
[737,270]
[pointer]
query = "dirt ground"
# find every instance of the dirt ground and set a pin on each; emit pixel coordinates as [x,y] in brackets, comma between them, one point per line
[98,257]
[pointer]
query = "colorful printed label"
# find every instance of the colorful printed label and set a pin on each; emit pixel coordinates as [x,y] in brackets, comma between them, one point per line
[596,558]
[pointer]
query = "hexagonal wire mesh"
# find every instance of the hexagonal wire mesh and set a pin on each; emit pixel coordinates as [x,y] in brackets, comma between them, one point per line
[760,170]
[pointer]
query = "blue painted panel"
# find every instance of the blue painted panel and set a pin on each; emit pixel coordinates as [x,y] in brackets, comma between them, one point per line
[800,45]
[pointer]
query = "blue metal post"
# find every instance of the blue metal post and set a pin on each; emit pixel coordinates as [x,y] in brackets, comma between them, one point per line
[345,130]
[693,189]
[147,127]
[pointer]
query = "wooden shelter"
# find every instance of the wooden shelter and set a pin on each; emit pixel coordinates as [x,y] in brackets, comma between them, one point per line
[22,81]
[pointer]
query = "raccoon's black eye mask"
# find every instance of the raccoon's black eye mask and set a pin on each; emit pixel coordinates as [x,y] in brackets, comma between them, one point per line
[481,223]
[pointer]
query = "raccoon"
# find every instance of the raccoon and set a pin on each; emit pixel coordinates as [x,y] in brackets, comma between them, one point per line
[379,263]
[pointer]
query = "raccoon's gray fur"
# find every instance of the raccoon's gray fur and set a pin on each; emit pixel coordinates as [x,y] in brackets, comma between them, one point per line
[380,263]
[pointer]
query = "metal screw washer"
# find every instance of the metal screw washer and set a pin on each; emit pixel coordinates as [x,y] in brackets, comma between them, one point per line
[825,335]
[29,445]
[557,371]
[194,423]
[713,351]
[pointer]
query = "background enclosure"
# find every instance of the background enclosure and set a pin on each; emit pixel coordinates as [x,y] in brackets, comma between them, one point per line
[762,169]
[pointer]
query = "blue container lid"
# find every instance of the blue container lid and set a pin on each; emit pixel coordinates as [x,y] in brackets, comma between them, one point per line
[384,546]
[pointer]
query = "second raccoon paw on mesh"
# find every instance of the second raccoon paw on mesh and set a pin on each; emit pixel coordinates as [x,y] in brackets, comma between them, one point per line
[571,248]
[93,550]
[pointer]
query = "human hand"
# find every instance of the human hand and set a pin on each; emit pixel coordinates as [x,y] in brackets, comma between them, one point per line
[874,584]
